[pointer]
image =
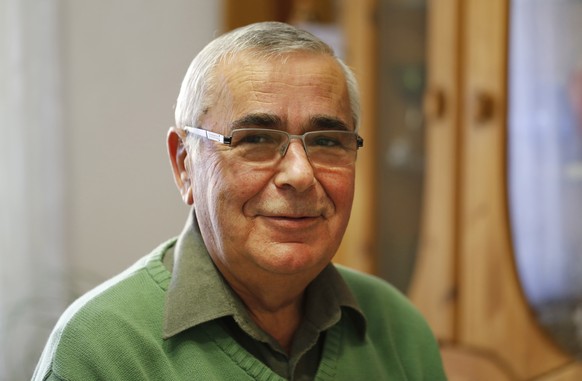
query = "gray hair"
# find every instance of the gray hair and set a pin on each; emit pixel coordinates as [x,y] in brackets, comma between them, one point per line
[265,40]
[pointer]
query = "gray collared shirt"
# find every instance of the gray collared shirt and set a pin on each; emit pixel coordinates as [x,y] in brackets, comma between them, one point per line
[198,294]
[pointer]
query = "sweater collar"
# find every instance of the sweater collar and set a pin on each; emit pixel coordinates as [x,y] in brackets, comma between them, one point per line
[198,293]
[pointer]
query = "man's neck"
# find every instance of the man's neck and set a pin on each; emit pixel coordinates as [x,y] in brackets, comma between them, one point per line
[276,306]
[281,323]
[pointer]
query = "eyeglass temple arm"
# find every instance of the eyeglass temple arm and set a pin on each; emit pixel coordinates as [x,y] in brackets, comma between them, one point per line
[208,134]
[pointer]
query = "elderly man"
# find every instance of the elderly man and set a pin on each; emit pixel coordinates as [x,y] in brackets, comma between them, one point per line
[264,150]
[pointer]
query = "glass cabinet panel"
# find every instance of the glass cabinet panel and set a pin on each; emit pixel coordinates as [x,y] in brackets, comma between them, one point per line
[545,161]
[400,143]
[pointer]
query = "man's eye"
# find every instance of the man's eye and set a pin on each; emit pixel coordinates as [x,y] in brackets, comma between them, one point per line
[326,141]
[256,139]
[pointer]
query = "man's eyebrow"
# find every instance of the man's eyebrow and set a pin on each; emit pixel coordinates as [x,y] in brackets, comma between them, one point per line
[262,120]
[324,122]
[265,120]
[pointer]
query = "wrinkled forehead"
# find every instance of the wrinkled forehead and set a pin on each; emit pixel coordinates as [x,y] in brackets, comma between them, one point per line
[295,83]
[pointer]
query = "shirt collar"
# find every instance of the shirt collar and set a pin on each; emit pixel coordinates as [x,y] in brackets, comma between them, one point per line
[198,293]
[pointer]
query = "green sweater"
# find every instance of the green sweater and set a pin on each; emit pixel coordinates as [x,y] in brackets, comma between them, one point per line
[115,333]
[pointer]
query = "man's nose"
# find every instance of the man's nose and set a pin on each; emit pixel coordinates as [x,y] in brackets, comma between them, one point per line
[294,169]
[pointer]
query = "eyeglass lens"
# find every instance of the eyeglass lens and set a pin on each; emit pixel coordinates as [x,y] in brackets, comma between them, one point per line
[331,148]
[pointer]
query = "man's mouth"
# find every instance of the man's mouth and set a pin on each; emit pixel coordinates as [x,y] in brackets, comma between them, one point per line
[292,221]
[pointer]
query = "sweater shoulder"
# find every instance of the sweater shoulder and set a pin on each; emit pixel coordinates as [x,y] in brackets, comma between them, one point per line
[380,300]
[125,290]
[369,288]
[126,306]
[395,324]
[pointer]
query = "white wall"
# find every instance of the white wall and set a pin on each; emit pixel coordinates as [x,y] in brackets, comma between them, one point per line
[87,89]
[123,62]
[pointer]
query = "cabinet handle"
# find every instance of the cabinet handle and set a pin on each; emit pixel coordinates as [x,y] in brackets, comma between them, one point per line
[482,107]
[434,105]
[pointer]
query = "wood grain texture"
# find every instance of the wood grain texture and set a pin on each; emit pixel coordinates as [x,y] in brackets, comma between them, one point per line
[466,281]
[434,287]
[358,249]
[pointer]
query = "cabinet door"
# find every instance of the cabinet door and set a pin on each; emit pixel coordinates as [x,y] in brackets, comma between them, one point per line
[434,285]
[495,316]
[545,162]
[467,281]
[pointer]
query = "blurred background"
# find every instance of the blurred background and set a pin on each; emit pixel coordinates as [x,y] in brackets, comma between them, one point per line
[469,188]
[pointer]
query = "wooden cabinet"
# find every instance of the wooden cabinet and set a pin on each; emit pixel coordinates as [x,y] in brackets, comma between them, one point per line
[466,281]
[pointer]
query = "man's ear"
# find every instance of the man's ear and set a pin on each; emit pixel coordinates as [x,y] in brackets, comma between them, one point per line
[178,157]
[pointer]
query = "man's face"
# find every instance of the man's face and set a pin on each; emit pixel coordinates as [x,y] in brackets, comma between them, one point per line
[288,218]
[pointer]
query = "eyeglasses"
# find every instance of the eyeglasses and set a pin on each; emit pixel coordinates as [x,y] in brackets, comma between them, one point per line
[330,148]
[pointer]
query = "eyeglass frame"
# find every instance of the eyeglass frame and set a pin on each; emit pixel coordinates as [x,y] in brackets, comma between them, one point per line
[227,140]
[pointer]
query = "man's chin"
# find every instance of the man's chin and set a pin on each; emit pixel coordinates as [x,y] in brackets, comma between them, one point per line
[292,259]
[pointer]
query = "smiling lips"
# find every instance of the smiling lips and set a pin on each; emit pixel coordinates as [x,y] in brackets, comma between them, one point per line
[292,221]
[292,214]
